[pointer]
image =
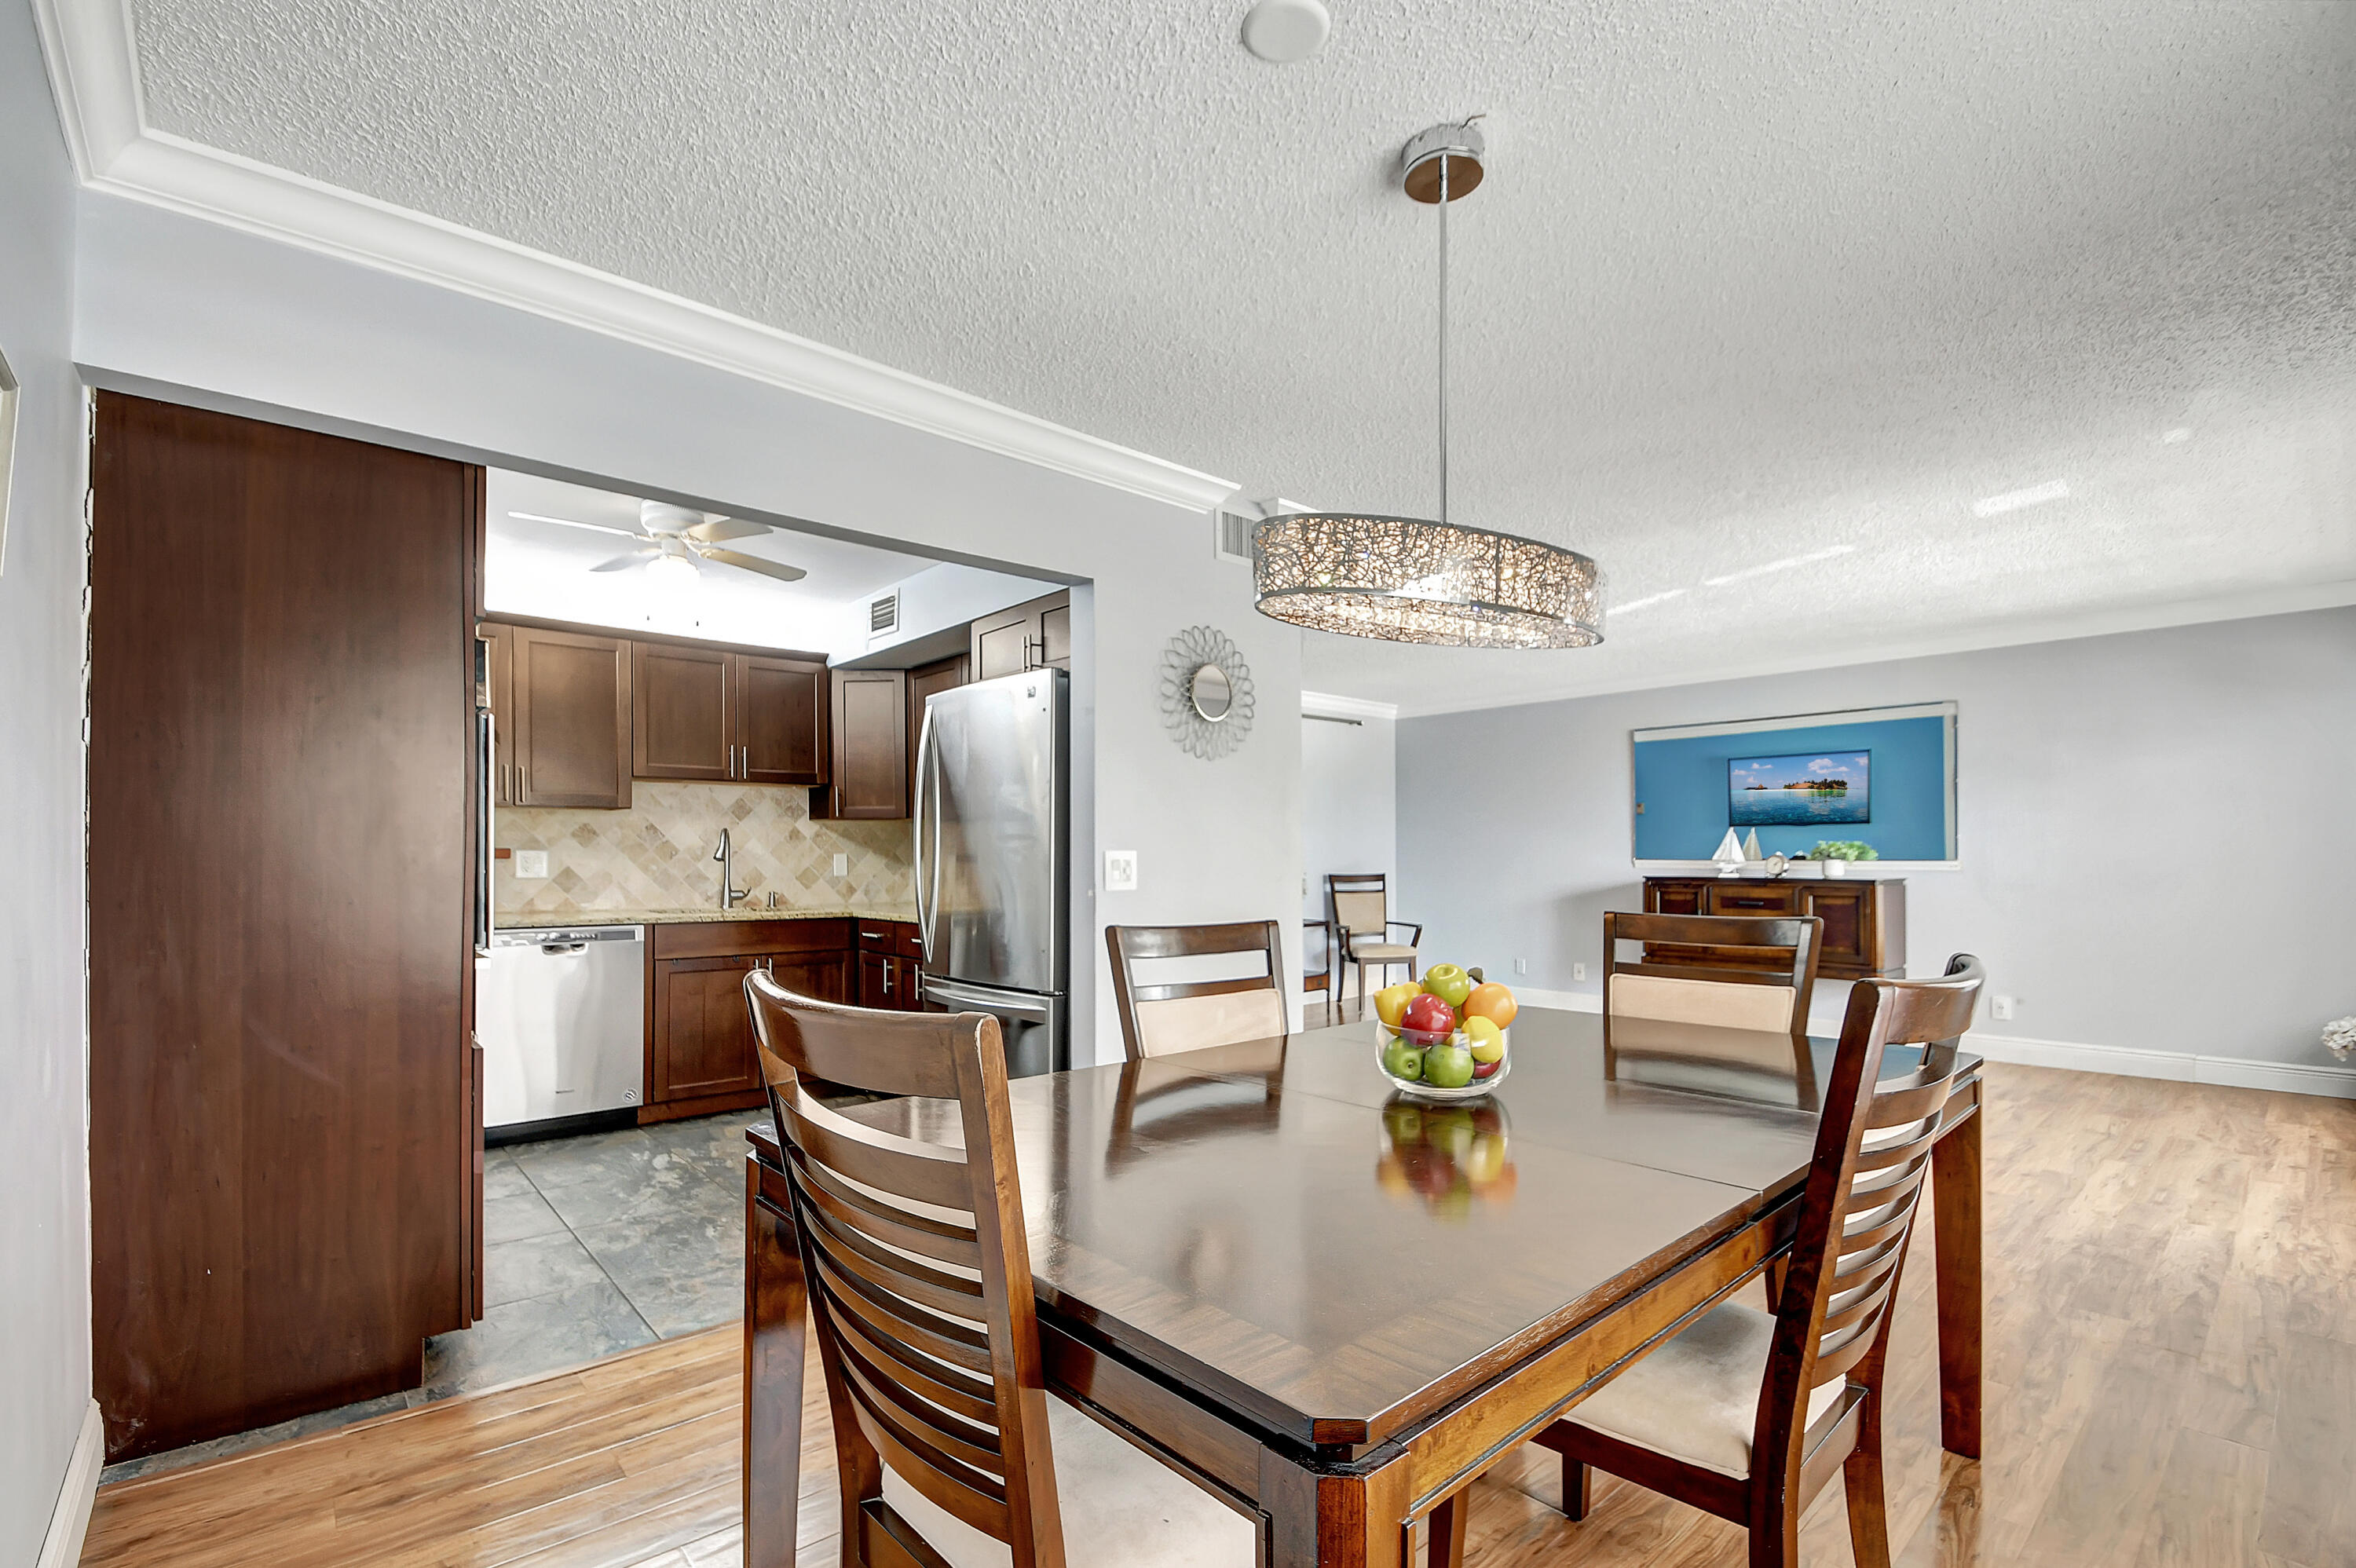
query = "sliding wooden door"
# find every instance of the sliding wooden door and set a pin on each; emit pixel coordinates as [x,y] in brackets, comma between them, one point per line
[280,838]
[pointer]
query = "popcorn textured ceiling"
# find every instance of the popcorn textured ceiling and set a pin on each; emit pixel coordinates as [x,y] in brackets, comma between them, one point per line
[1754,303]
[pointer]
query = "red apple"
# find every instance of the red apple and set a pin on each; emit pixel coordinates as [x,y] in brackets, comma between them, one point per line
[1429,1012]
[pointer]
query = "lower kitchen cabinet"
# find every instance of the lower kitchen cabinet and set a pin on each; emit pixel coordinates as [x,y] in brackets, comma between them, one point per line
[886,963]
[701,1056]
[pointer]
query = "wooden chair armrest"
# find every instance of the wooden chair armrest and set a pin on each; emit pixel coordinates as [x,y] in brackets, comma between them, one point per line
[1410,925]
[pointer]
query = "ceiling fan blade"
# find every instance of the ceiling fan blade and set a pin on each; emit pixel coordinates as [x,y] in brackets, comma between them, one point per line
[623,562]
[777,570]
[722,530]
[576,523]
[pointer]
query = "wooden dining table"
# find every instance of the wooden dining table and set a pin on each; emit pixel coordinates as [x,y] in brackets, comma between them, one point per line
[1332,1306]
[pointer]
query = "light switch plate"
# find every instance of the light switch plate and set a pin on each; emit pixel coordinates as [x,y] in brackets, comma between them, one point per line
[531,865]
[1579,970]
[843,865]
[1120,870]
[1521,966]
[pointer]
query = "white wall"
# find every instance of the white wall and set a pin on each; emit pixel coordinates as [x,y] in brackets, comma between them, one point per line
[2150,824]
[44,1090]
[1348,798]
[936,597]
[202,313]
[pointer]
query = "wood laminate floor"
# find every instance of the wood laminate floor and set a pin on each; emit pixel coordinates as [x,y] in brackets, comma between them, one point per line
[2171,1360]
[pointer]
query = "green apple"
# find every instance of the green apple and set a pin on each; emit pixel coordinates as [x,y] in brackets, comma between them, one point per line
[1448,1066]
[1405,1061]
[1449,982]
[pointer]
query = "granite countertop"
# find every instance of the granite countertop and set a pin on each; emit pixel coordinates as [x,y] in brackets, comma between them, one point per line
[513,920]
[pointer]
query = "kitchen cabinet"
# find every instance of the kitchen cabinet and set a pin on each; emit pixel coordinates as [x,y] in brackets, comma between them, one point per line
[499,641]
[569,739]
[1864,918]
[700,1055]
[923,682]
[868,779]
[705,713]
[1035,635]
[886,965]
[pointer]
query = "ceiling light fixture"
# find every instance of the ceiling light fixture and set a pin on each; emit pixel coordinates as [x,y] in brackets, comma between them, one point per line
[1408,579]
[1786,564]
[2015,500]
[672,573]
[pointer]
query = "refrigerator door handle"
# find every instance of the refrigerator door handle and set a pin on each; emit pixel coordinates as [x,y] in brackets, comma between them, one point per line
[486,767]
[928,866]
[981,999]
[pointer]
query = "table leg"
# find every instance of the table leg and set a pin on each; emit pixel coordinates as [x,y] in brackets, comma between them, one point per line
[774,1343]
[1350,1519]
[1955,1219]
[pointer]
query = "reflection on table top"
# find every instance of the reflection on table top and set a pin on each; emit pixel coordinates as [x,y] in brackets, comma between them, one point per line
[1269,1222]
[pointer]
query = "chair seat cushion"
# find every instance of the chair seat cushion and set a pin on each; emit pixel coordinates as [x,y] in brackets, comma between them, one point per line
[1120,1506]
[1696,1397]
[1382,952]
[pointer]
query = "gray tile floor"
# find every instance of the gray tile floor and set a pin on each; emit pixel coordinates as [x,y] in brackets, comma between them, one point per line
[591,1245]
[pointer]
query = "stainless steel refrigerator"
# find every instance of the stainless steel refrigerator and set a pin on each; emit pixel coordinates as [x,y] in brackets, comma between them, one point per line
[993,803]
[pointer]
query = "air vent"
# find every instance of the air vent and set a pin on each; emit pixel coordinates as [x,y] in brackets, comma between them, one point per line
[883,616]
[1231,534]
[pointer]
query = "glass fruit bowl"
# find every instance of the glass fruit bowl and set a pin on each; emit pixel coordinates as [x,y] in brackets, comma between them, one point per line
[1443,1064]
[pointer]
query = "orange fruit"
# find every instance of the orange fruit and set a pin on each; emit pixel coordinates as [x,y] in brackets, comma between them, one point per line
[1493,1002]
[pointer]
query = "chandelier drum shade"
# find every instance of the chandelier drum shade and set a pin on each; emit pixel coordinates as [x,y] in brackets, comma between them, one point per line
[1411,579]
[1405,580]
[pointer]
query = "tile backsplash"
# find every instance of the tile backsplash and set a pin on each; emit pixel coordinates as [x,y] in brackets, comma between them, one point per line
[657,855]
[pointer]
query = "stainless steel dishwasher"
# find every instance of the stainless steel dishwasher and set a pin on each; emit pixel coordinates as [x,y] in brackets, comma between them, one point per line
[561,1011]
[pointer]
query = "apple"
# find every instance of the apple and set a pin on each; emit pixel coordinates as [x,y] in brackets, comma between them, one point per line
[1493,1002]
[1449,982]
[1485,1070]
[1404,1061]
[1448,1066]
[1429,1013]
[1484,1038]
[1392,1001]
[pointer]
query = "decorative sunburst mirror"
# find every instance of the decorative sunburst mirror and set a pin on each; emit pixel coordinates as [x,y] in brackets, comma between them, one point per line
[1206,693]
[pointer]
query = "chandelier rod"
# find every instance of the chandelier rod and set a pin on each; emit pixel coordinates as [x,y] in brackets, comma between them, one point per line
[1444,161]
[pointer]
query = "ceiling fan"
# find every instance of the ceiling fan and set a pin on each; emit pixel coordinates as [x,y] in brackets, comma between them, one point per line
[674,539]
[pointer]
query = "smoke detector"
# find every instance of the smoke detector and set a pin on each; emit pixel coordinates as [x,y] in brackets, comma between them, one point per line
[1285,32]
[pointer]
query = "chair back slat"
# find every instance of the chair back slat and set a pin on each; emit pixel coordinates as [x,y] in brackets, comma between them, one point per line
[919,1275]
[1162,1017]
[1864,1189]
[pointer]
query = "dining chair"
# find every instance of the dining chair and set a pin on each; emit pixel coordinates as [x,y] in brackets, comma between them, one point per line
[1159,1019]
[1320,979]
[1746,1413]
[1711,983]
[1358,915]
[950,1450]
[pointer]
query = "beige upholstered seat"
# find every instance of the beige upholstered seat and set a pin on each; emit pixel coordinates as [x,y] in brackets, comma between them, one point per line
[1696,1397]
[1120,1506]
[1198,1022]
[1382,952]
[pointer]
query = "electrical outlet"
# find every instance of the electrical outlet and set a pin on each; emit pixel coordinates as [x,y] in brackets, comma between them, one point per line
[1521,966]
[1579,970]
[843,865]
[1120,870]
[2000,1009]
[530,865]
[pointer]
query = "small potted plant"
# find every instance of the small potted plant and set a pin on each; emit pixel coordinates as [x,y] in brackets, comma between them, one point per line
[2340,1037]
[1836,853]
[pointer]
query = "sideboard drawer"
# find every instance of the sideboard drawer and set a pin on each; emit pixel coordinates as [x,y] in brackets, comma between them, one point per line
[1754,899]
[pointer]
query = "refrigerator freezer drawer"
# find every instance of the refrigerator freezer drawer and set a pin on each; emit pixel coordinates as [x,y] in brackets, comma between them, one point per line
[1031,1025]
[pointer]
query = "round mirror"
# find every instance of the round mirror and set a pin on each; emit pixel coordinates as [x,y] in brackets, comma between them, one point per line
[1211,692]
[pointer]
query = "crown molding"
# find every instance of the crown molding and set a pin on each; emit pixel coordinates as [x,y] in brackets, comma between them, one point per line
[94,75]
[1337,706]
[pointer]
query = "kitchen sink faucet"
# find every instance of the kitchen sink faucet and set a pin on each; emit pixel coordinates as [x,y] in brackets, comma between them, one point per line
[730,894]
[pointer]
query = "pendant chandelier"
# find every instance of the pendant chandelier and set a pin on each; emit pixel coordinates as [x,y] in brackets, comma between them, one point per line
[1412,580]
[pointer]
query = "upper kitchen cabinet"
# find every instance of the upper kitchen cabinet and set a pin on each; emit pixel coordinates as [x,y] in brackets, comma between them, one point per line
[569,739]
[499,696]
[1035,635]
[710,713]
[923,682]
[869,777]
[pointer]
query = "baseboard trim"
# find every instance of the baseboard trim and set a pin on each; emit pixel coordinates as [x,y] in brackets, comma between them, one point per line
[69,1520]
[2127,1062]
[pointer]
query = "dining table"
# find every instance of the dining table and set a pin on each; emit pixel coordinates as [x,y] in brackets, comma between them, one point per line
[1333,1306]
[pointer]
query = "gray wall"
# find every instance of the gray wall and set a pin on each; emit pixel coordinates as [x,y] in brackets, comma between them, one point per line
[1349,819]
[2153,828]
[203,313]
[44,1093]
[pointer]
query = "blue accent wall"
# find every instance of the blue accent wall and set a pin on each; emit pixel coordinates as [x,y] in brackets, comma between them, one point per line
[1682,797]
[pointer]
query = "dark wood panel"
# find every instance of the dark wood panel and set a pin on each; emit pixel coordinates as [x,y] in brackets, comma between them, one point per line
[1055,633]
[1752,898]
[870,778]
[781,726]
[571,720]
[501,694]
[683,712]
[703,1036]
[282,695]
[1025,636]
[924,681]
[1865,918]
[720,938]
